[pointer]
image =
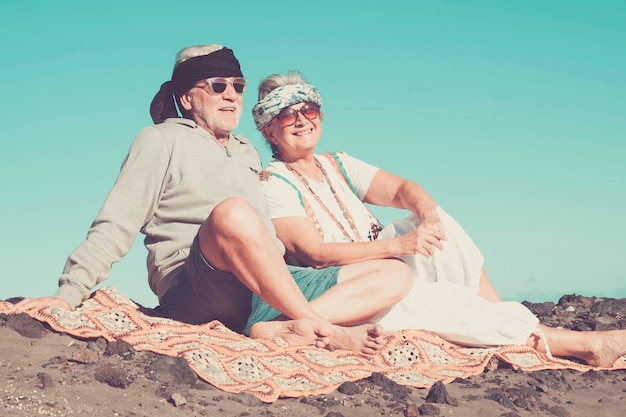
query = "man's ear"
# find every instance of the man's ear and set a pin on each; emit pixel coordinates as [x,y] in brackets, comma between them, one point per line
[185,101]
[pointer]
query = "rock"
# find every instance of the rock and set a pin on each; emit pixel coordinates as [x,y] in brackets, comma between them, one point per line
[559,411]
[85,355]
[392,387]
[437,393]
[428,410]
[610,306]
[177,399]
[349,388]
[502,399]
[411,411]
[26,325]
[172,370]
[118,347]
[45,380]
[246,399]
[113,376]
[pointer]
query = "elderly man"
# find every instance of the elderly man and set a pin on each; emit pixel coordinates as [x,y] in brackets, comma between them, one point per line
[191,187]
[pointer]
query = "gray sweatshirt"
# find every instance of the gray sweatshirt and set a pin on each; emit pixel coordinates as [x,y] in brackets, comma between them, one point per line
[175,173]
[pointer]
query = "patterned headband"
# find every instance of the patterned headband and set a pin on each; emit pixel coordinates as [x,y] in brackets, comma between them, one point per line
[279,98]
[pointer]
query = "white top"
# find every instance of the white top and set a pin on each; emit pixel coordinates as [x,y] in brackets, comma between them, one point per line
[287,196]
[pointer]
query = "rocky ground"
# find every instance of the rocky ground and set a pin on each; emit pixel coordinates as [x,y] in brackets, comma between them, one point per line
[44,373]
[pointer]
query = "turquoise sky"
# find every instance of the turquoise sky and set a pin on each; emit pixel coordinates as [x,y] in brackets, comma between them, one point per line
[511,114]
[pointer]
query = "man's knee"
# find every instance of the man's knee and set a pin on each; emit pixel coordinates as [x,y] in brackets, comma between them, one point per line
[230,211]
[231,218]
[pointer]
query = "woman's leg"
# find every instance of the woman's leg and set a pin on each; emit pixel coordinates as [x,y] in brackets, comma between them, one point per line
[365,292]
[597,348]
[486,288]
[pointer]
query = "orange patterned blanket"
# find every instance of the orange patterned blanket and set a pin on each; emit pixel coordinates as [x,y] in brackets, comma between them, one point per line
[270,369]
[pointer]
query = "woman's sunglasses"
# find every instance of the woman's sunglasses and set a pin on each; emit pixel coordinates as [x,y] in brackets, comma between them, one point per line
[289,116]
[217,85]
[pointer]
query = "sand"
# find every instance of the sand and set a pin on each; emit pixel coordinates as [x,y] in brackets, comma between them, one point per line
[45,373]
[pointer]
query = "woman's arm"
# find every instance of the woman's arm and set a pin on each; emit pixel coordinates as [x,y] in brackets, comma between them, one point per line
[303,241]
[390,190]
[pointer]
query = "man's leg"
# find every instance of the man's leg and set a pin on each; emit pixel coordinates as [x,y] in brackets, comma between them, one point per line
[233,239]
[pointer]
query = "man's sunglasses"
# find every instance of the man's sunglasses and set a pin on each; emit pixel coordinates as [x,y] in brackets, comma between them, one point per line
[217,85]
[289,116]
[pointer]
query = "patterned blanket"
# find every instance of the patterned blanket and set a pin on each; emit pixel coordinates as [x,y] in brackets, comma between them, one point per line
[270,369]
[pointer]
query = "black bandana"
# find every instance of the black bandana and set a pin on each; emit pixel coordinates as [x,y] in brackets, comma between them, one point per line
[220,63]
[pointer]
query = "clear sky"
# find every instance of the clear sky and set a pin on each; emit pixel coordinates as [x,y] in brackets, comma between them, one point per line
[511,114]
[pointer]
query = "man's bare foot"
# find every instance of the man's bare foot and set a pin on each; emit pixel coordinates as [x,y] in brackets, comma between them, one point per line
[302,332]
[606,348]
[365,338]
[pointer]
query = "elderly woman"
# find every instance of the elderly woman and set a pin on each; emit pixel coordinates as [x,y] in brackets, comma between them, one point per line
[317,205]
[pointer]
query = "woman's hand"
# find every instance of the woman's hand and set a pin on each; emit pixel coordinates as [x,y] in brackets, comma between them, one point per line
[423,240]
[432,220]
[42,302]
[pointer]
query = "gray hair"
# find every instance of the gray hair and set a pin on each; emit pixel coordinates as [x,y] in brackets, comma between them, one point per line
[279,80]
[194,51]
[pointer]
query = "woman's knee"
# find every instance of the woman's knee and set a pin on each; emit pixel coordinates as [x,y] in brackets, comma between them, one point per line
[400,277]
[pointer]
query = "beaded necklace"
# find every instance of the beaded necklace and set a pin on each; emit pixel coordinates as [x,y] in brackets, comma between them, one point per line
[342,206]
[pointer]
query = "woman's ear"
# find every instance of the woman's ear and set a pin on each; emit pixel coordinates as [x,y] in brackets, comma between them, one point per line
[268,134]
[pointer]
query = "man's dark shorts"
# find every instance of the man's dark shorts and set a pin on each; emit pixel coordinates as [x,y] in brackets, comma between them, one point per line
[202,293]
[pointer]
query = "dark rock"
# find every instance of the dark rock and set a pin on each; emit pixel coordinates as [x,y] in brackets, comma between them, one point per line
[437,393]
[84,355]
[246,399]
[569,299]
[45,380]
[602,323]
[451,401]
[540,309]
[113,376]
[522,403]
[411,411]
[610,306]
[559,411]
[14,300]
[26,326]
[389,386]
[172,370]
[349,388]
[428,410]
[118,347]
[549,380]
[99,345]
[502,399]
[334,414]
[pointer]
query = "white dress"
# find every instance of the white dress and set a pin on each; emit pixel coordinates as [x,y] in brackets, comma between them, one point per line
[444,297]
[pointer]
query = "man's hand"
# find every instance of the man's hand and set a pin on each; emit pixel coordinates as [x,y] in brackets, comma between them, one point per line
[42,302]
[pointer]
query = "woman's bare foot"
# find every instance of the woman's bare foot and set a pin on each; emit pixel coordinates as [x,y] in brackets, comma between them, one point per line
[606,347]
[365,338]
[302,332]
